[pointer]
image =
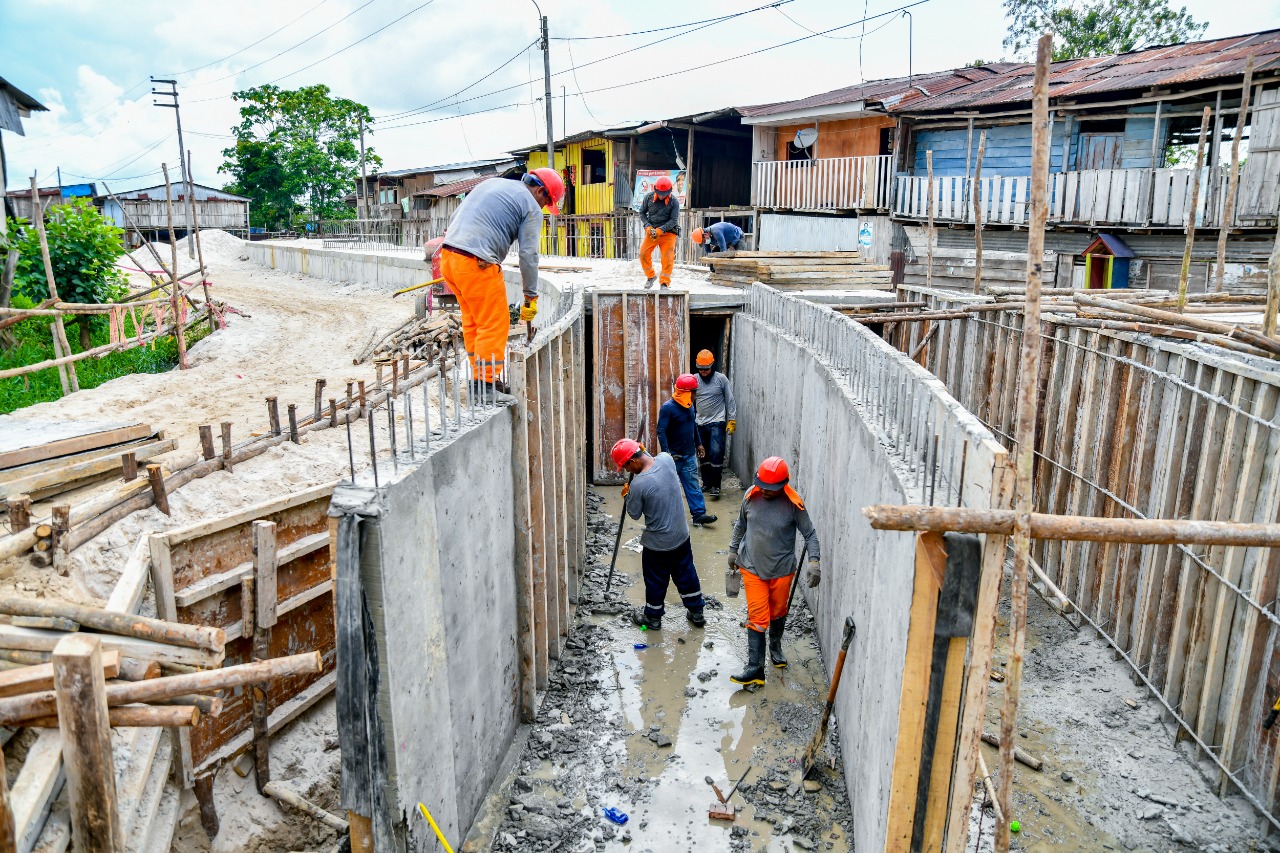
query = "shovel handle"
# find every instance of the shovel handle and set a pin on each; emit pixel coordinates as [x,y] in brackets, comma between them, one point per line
[849,631]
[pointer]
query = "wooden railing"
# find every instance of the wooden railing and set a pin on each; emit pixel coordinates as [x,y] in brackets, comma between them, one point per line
[1144,197]
[836,183]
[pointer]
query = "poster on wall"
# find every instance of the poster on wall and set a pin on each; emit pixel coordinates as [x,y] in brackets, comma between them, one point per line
[644,184]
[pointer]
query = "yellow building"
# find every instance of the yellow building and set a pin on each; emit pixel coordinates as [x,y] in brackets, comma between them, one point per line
[589,227]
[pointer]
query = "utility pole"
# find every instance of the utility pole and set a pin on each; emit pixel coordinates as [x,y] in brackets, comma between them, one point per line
[59,184]
[190,214]
[551,137]
[364,180]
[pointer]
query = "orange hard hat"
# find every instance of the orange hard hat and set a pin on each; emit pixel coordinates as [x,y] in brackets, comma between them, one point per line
[550,180]
[686,382]
[698,236]
[663,184]
[772,474]
[624,451]
[705,358]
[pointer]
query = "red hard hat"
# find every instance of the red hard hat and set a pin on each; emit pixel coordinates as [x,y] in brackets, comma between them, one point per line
[624,451]
[772,474]
[662,185]
[551,181]
[686,382]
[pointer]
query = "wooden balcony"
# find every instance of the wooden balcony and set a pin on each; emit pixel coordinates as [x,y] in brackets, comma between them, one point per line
[836,183]
[1141,198]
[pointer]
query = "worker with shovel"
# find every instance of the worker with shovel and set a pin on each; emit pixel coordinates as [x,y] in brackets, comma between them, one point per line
[678,435]
[654,492]
[494,216]
[762,548]
[716,418]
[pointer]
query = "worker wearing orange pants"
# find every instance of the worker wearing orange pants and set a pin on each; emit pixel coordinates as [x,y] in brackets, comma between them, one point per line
[482,296]
[665,243]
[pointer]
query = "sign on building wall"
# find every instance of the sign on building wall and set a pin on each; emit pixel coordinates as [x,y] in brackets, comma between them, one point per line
[865,234]
[645,179]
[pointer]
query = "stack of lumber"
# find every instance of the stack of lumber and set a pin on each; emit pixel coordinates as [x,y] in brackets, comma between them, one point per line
[799,270]
[44,458]
[954,268]
[419,337]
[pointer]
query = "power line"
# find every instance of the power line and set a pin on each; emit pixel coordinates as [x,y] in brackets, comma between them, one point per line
[255,44]
[815,32]
[661,29]
[579,85]
[523,51]
[62,132]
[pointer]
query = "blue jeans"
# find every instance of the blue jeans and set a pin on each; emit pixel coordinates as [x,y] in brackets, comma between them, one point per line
[687,468]
[711,436]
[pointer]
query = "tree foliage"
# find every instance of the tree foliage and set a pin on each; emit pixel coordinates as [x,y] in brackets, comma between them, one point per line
[296,151]
[1097,27]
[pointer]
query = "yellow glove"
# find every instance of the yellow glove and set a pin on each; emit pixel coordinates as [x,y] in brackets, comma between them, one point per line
[731,427]
[626,489]
[529,311]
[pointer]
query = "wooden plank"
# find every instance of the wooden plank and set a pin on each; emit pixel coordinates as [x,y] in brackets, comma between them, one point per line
[248,514]
[23,441]
[265,566]
[523,562]
[553,547]
[537,515]
[86,745]
[215,583]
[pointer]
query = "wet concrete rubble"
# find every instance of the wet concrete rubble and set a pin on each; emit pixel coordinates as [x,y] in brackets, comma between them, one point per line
[592,750]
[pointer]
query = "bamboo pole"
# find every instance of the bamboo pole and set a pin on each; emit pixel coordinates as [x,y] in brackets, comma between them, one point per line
[928,276]
[1191,214]
[96,352]
[123,624]
[37,677]
[1273,288]
[1194,322]
[977,213]
[15,709]
[1077,528]
[133,716]
[195,228]
[1025,431]
[1233,175]
[284,795]
[68,373]
[179,333]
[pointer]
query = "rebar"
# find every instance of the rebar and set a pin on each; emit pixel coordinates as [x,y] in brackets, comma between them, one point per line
[443,396]
[351,454]
[408,424]
[457,391]
[373,447]
[391,431]
[426,416]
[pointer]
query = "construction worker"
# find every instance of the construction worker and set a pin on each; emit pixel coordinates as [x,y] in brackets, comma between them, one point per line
[490,219]
[762,548]
[654,492]
[717,414]
[720,238]
[678,435]
[660,216]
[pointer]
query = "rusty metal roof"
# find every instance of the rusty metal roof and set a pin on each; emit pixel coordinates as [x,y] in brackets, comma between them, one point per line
[1168,66]
[454,188]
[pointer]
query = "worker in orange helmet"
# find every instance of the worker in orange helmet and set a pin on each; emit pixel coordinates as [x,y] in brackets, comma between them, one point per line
[678,435]
[660,216]
[762,548]
[720,238]
[492,217]
[717,417]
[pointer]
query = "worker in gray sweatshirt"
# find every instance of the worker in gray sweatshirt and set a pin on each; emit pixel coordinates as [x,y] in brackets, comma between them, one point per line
[763,550]
[717,417]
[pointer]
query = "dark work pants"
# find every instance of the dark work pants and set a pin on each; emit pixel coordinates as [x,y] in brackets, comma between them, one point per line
[711,437]
[662,567]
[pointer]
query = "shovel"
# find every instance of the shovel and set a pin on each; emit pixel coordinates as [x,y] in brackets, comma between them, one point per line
[820,736]
[622,517]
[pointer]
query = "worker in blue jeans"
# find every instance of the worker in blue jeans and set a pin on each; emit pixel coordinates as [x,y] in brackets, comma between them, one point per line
[678,436]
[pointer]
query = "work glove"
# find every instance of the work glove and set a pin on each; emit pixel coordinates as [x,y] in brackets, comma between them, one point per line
[731,427]
[654,233]
[733,560]
[530,310]
[626,490]
[815,573]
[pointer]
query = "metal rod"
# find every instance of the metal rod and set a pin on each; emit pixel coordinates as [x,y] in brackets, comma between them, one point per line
[373,447]
[351,454]
[391,431]
[426,416]
[457,391]
[408,424]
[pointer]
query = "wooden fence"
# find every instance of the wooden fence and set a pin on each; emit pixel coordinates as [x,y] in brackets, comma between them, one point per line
[1138,427]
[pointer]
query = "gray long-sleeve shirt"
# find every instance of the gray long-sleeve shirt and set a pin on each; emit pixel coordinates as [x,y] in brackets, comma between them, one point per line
[491,218]
[764,536]
[715,399]
[658,496]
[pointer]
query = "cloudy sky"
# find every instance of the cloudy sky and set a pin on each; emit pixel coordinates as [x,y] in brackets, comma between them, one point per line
[418,66]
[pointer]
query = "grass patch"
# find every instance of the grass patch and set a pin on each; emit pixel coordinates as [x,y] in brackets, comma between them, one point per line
[35,344]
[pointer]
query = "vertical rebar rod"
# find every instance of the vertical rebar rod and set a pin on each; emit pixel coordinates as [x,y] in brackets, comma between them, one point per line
[391,430]
[408,424]
[457,391]
[351,453]
[442,394]
[373,446]
[933,471]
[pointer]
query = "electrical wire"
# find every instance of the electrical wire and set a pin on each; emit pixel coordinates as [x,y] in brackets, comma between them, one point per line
[815,32]
[62,132]
[412,11]
[664,29]
[255,44]
[523,51]
[585,106]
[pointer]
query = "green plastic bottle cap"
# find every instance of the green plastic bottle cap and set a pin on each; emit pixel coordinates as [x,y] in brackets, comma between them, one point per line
[1014,826]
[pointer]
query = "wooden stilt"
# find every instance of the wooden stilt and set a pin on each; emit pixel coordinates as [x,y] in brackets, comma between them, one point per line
[68,373]
[293,423]
[1233,175]
[977,213]
[175,297]
[928,234]
[1273,289]
[319,407]
[155,475]
[273,415]
[208,809]
[1191,216]
[226,445]
[19,513]
[206,440]
[129,466]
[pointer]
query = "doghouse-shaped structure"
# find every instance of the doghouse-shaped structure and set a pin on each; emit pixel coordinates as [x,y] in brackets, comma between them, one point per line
[1106,263]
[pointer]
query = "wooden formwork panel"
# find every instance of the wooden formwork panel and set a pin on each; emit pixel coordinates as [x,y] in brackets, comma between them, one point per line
[641,346]
[197,572]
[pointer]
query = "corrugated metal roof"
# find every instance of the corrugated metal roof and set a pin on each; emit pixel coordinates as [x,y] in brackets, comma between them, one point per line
[447,167]
[899,88]
[1166,66]
[24,100]
[177,188]
[455,188]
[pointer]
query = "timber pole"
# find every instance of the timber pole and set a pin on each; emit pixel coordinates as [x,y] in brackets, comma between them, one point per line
[1025,434]
[1273,288]
[928,274]
[175,296]
[1191,214]
[977,214]
[59,329]
[1233,176]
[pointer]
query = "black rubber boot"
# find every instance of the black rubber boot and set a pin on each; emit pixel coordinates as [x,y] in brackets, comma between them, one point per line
[642,619]
[776,657]
[706,518]
[754,673]
[696,618]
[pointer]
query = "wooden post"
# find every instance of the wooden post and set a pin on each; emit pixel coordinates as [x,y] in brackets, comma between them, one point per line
[8,843]
[265,565]
[158,490]
[226,445]
[67,373]
[195,228]
[363,399]
[80,691]
[293,423]
[319,408]
[61,522]
[129,466]
[175,298]
[1025,428]
[19,513]
[208,808]
[977,212]
[1191,214]
[333,412]
[1233,175]
[928,276]
[60,355]
[206,441]
[1149,201]
[273,415]
[1273,289]
[361,832]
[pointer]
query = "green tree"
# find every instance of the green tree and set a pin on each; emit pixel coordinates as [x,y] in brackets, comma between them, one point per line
[1097,27]
[83,248]
[297,149]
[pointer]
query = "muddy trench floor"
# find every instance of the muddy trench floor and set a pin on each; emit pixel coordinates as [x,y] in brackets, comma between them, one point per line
[634,720]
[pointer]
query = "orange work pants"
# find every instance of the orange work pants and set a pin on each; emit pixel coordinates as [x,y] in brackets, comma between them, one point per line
[486,319]
[766,599]
[666,244]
